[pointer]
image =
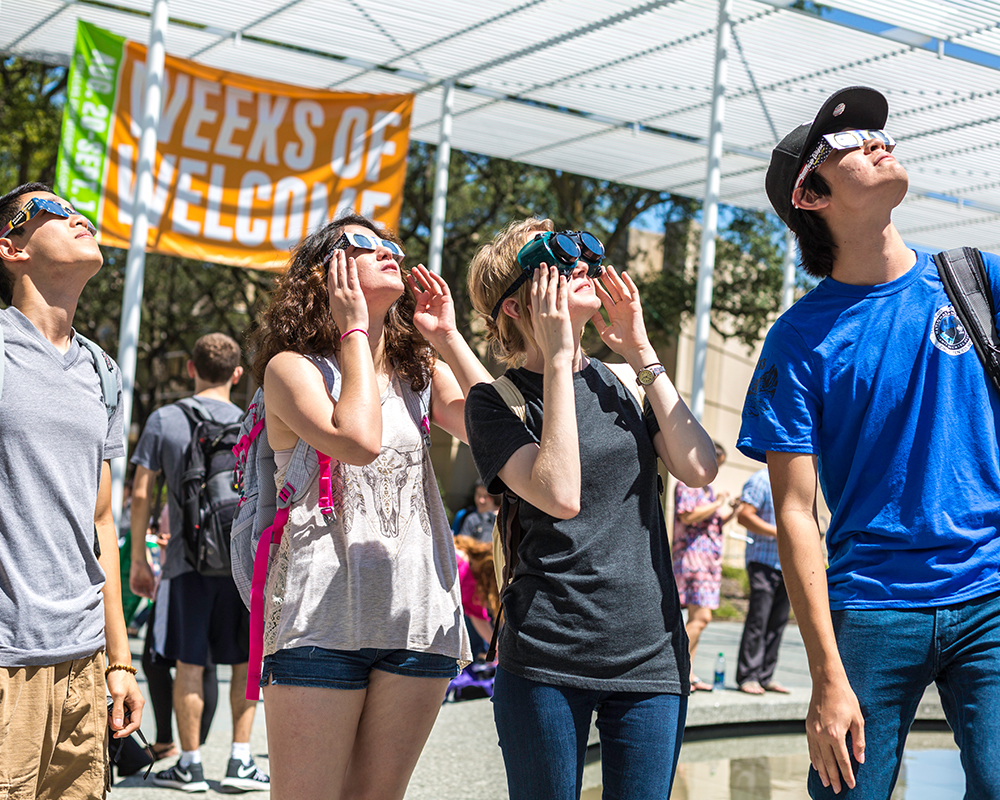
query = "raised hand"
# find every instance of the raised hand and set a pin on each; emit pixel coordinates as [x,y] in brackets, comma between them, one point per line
[551,323]
[347,300]
[434,315]
[625,330]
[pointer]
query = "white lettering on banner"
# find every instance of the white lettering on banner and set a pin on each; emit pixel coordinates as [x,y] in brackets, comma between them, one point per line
[305,114]
[251,232]
[172,103]
[198,113]
[265,133]
[379,147]
[288,215]
[233,121]
[319,208]
[370,200]
[213,228]
[126,186]
[186,196]
[347,202]
[349,143]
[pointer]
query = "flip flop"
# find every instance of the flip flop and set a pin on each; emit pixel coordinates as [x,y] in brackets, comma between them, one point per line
[698,685]
[752,687]
[774,686]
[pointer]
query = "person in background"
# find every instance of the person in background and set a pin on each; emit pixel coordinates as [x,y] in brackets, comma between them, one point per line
[480,596]
[206,622]
[767,614]
[478,523]
[699,515]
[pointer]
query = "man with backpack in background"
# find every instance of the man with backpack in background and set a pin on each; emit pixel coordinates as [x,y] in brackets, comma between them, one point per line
[203,610]
[869,386]
[62,633]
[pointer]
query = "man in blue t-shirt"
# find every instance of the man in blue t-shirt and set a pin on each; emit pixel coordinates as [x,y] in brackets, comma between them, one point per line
[869,388]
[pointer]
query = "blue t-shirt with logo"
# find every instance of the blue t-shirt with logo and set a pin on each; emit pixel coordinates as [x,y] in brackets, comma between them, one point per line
[883,385]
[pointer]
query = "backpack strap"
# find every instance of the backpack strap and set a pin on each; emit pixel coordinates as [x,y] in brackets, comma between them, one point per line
[963,274]
[419,406]
[105,369]
[303,466]
[507,528]
[2,359]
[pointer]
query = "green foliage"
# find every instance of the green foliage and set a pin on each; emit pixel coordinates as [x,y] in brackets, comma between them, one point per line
[31,99]
[182,300]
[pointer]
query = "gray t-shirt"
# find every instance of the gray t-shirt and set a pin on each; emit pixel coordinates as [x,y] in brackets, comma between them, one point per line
[161,448]
[54,437]
[593,603]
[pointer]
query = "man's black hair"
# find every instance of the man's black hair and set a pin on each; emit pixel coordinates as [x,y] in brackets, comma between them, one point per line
[10,204]
[817,249]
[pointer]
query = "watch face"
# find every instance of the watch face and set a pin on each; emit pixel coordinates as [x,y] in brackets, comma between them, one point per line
[647,375]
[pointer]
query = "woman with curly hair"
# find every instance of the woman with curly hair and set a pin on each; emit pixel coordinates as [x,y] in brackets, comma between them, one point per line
[590,620]
[480,597]
[363,618]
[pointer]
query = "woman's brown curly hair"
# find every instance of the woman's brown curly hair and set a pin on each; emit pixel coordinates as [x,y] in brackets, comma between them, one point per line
[480,555]
[298,316]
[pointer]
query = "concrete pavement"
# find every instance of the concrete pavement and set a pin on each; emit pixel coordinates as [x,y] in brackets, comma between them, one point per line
[462,760]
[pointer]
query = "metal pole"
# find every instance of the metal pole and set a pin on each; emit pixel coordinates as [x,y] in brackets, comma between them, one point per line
[710,214]
[788,282]
[135,264]
[441,176]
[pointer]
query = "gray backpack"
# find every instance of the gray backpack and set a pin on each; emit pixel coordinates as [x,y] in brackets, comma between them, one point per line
[263,510]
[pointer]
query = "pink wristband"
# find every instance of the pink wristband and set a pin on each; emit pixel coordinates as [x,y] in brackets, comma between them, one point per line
[353,330]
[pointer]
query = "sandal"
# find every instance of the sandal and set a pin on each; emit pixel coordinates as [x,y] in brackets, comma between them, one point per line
[774,686]
[698,685]
[752,687]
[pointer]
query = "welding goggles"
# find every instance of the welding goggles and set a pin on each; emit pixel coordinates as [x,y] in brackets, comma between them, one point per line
[559,249]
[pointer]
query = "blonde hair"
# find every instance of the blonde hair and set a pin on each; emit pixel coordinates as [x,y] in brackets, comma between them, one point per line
[493,269]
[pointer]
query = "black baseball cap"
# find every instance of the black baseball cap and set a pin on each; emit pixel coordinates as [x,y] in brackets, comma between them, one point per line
[852,107]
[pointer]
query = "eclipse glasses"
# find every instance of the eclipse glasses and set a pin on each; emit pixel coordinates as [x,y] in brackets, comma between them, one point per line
[41,205]
[364,241]
[842,140]
[562,250]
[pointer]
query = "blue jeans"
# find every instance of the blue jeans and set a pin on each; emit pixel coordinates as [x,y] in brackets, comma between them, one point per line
[891,656]
[543,732]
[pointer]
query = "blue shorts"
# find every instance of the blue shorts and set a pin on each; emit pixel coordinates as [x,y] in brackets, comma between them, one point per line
[349,669]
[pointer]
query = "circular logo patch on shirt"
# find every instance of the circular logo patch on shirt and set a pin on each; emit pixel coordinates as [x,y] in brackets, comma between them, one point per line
[948,334]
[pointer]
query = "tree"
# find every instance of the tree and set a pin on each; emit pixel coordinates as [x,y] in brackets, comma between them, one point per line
[30,119]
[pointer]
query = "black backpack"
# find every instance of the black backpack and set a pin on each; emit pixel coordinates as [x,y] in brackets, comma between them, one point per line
[208,493]
[963,274]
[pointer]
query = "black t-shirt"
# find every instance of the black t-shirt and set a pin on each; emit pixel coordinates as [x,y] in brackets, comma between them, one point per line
[593,603]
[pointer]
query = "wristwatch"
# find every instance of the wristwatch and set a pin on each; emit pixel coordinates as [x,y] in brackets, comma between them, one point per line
[649,374]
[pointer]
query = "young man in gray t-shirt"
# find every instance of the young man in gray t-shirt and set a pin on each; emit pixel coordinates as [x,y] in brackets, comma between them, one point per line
[204,615]
[62,632]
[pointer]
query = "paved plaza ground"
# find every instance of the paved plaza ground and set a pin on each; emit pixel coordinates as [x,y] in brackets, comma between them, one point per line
[462,760]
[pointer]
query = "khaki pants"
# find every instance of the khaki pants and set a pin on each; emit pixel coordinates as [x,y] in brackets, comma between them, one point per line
[53,723]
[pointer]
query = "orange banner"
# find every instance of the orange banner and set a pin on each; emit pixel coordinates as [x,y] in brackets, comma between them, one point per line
[245,168]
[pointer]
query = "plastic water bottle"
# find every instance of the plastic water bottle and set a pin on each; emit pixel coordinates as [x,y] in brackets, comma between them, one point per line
[720,674]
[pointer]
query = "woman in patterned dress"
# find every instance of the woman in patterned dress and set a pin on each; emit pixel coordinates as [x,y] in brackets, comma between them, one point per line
[699,515]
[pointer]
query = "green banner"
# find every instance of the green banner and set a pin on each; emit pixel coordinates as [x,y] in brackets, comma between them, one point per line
[87,118]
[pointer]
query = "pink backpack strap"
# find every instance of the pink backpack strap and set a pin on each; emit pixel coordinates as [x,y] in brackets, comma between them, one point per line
[272,536]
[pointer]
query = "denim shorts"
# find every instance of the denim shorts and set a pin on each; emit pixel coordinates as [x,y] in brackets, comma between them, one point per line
[349,669]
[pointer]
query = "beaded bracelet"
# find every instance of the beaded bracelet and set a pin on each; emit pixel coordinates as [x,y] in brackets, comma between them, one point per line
[126,667]
[353,330]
